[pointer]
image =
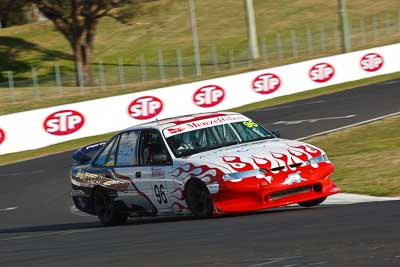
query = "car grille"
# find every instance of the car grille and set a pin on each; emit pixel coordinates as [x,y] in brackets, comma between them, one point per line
[290,192]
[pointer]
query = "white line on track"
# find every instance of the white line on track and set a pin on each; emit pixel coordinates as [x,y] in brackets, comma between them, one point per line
[9,209]
[349,126]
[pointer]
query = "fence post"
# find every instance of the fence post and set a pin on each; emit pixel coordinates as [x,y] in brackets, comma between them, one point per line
[375,27]
[214,55]
[179,62]
[310,48]
[121,70]
[388,23]
[161,65]
[81,79]
[35,84]
[58,80]
[294,44]
[249,58]
[264,48]
[398,21]
[102,77]
[232,58]
[12,86]
[322,38]
[143,68]
[279,46]
[362,31]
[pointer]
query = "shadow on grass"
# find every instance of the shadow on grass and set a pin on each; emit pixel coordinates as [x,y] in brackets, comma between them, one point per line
[11,48]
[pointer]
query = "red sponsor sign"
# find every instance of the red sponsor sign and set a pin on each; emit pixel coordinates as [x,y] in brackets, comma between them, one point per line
[371,62]
[209,96]
[266,83]
[2,136]
[64,122]
[321,72]
[145,107]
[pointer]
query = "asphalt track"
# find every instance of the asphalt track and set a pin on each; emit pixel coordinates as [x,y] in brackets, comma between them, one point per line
[37,227]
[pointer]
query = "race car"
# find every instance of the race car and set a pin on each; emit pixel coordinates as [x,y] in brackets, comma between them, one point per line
[201,165]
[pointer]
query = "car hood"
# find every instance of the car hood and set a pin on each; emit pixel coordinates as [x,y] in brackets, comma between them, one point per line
[267,154]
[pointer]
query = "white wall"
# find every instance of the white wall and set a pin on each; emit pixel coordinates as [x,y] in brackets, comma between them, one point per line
[35,129]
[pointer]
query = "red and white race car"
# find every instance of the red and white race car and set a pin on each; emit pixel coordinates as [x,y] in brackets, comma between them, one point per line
[202,165]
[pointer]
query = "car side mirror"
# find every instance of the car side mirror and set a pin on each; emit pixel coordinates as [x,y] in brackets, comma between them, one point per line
[159,158]
[81,157]
[277,133]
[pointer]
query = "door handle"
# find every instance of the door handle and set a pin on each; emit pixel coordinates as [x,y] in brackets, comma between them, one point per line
[138,174]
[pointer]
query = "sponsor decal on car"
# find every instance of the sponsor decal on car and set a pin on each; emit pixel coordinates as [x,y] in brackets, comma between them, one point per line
[209,96]
[101,180]
[266,83]
[200,124]
[64,122]
[145,107]
[157,172]
[321,72]
[2,136]
[294,178]
[371,62]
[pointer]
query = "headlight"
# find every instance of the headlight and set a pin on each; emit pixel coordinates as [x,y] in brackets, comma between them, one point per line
[238,176]
[316,160]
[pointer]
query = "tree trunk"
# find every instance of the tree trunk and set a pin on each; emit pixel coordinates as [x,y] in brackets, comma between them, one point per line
[83,61]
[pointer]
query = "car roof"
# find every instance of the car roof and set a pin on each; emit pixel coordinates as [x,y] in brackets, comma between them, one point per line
[170,122]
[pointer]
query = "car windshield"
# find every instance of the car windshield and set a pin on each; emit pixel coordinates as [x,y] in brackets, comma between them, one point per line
[197,141]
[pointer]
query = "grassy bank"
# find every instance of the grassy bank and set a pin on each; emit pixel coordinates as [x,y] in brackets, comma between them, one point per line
[367,158]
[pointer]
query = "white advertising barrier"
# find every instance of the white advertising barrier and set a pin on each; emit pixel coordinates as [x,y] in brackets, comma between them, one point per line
[39,128]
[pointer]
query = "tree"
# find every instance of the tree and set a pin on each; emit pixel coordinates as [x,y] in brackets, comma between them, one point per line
[77,20]
[11,11]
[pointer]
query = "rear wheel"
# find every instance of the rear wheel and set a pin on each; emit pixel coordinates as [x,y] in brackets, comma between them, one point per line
[199,199]
[106,211]
[312,203]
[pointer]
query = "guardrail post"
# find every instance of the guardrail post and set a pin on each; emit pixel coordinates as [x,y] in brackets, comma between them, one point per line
[293,38]
[12,86]
[35,83]
[102,77]
[179,63]
[58,80]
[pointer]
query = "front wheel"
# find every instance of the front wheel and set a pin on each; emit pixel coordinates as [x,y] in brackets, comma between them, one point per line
[199,199]
[106,211]
[312,203]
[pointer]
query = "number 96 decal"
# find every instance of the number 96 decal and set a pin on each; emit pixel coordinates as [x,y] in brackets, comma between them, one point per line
[250,124]
[159,192]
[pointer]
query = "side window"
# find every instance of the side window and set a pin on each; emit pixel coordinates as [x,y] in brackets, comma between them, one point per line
[126,152]
[104,158]
[152,149]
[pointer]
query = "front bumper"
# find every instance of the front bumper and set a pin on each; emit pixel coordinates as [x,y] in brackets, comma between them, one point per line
[257,194]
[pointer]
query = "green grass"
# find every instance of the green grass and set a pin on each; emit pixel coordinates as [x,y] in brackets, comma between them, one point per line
[165,25]
[366,158]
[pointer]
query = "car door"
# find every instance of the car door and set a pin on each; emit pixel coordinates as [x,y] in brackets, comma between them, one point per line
[156,165]
[139,198]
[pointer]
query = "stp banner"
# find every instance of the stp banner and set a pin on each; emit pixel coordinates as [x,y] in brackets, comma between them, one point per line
[39,128]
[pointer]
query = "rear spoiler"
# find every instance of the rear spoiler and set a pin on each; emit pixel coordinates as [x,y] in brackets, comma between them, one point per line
[85,154]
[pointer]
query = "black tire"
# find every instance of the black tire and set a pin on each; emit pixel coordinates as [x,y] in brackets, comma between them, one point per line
[312,203]
[199,199]
[106,211]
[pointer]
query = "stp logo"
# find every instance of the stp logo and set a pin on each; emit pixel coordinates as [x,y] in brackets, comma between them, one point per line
[64,122]
[209,96]
[2,136]
[371,62]
[145,108]
[322,72]
[266,83]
